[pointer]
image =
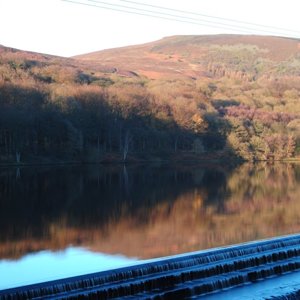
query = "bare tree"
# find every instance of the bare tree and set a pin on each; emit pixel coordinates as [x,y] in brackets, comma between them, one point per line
[18,157]
[127,141]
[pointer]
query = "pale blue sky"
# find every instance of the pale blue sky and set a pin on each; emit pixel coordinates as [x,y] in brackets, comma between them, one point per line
[61,28]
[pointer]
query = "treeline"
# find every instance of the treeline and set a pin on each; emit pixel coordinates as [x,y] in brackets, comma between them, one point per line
[259,135]
[61,110]
[90,125]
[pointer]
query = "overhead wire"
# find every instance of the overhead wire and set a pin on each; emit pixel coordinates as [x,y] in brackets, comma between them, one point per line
[228,26]
[193,20]
[144,14]
[172,17]
[209,16]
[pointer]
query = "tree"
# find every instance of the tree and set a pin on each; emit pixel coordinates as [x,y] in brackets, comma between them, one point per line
[290,146]
[127,140]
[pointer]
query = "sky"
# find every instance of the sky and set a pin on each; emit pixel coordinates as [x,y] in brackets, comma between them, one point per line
[65,28]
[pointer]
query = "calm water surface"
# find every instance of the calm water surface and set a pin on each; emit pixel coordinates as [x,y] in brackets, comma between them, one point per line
[65,221]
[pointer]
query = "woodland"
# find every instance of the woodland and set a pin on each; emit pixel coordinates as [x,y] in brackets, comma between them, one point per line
[180,98]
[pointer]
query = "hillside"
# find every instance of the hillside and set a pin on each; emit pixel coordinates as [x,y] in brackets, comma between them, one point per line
[205,56]
[183,97]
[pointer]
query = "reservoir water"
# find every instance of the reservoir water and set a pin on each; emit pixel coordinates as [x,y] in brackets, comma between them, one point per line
[59,221]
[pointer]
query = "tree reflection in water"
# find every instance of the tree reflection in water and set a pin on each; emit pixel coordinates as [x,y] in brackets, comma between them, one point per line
[145,211]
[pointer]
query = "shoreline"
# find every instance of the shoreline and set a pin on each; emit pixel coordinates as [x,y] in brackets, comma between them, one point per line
[132,161]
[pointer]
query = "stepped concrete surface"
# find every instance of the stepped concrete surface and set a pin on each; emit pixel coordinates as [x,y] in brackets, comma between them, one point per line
[187,276]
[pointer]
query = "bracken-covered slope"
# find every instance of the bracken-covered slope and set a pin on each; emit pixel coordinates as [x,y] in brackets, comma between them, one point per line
[198,56]
[181,97]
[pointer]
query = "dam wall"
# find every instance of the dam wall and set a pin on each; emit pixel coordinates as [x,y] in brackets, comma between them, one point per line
[178,277]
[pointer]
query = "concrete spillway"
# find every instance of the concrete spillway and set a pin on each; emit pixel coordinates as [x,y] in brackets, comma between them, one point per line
[179,277]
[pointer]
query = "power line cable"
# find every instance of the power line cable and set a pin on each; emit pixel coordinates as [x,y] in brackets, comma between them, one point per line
[209,16]
[229,26]
[167,16]
[147,15]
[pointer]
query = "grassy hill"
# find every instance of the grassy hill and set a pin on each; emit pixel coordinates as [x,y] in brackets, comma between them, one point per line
[183,97]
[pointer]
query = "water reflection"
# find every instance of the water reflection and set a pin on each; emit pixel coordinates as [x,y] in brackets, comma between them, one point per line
[146,211]
[47,265]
